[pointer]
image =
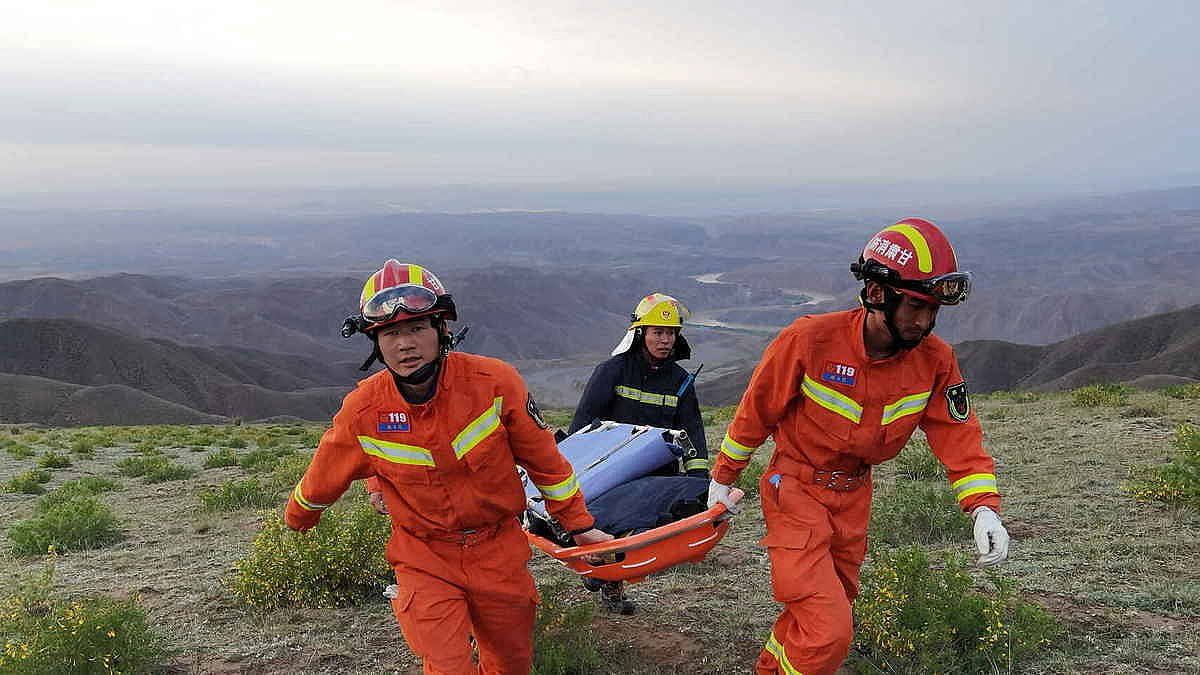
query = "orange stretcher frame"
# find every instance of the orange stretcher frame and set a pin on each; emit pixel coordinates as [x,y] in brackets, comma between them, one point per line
[635,557]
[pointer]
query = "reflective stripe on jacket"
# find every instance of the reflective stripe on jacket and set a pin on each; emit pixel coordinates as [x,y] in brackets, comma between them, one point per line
[446,465]
[827,405]
[625,389]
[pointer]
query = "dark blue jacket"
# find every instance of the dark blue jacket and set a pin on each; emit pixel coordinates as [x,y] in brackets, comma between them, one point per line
[626,389]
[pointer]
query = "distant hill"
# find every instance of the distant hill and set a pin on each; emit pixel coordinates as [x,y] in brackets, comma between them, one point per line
[1152,351]
[513,312]
[1140,350]
[219,381]
[24,398]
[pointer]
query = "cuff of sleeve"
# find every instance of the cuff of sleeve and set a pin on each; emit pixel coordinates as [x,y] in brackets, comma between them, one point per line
[300,519]
[581,530]
[991,500]
[725,476]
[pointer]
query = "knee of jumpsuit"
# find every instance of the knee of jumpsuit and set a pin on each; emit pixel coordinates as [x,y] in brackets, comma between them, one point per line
[814,632]
[502,599]
[434,620]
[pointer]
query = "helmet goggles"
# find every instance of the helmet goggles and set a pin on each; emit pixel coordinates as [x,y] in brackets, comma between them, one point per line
[407,298]
[945,289]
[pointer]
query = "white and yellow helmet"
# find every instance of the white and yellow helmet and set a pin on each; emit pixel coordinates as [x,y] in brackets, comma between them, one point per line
[656,309]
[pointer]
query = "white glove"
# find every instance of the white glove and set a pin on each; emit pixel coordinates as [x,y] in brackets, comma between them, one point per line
[990,537]
[720,493]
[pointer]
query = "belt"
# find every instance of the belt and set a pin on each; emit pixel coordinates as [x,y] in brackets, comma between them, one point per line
[464,537]
[830,479]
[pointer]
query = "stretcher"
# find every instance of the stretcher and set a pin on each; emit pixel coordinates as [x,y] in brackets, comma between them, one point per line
[605,455]
[635,557]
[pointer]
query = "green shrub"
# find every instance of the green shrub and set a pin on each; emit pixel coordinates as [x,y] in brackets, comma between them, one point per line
[1014,396]
[340,562]
[221,458]
[239,494]
[267,439]
[917,462]
[84,447]
[80,523]
[1183,391]
[262,460]
[154,468]
[29,483]
[289,470]
[42,634]
[563,639]
[1150,409]
[236,442]
[918,513]
[914,619]
[750,476]
[1097,395]
[20,451]
[53,460]
[1178,481]
[80,487]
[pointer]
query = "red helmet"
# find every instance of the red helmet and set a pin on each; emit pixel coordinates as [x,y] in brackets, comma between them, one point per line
[397,292]
[915,258]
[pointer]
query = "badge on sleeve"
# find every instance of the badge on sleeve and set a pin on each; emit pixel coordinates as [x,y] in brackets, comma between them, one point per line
[531,407]
[958,404]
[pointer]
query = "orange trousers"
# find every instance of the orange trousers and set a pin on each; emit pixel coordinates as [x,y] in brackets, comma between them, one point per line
[816,541]
[476,586]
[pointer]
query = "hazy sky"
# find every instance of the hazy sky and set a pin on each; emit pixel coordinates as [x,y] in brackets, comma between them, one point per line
[165,95]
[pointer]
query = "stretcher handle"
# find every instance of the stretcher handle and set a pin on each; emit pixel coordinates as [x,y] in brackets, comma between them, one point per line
[717,513]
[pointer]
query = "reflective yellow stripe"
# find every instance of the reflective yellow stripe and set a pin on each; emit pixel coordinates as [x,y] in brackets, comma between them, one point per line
[909,405]
[640,396]
[304,503]
[694,464]
[397,453]
[368,290]
[479,429]
[736,451]
[560,491]
[415,275]
[976,483]
[831,400]
[776,649]
[924,259]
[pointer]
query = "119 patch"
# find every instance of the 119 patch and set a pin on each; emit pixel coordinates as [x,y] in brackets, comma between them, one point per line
[393,422]
[958,404]
[839,373]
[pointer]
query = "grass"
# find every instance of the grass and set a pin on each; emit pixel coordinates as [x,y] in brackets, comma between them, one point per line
[19,451]
[30,482]
[337,563]
[44,633]
[54,460]
[154,469]
[221,458]
[1096,395]
[78,524]
[1117,573]
[89,486]
[239,494]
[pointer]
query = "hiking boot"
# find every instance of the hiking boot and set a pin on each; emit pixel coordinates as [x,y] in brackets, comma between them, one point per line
[612,598]
[592,584]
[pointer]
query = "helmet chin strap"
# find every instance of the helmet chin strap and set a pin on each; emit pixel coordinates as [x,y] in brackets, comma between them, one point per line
[420,375]
[891,302]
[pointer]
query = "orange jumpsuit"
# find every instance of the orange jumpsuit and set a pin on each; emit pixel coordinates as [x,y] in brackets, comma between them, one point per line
[447,470]
[833,412]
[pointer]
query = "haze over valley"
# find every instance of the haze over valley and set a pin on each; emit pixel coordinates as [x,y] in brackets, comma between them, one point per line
[243,304]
